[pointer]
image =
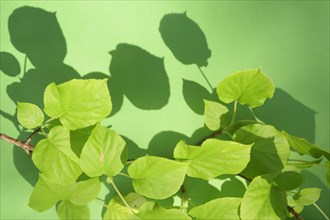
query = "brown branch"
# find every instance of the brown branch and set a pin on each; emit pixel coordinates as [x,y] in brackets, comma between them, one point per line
[212,135]
[28,148]
[293,212]
[29,139]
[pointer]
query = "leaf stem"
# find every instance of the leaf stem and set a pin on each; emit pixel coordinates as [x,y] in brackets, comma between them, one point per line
[125,175]
[208,82]
[101,201]
[121,196]
[321,211]
[234,113]
[256,118]
[35,132]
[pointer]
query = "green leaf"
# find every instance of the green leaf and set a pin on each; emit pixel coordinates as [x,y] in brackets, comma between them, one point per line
[304,197]
[46,193]
[150,210]
[270,150]
[29,115]
[86,191]
[263,200]
[213,158]
[117,209]
[289,180]
[67,210]
[55,159]
[157,177]
[78,103]
[302,146]
[102,153]
[223,208]
[43,197]
[212,113]
[249,87]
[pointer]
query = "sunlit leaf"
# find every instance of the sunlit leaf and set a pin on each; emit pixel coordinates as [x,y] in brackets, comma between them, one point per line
[67,210]
[29,115]
[185,39]
[157,177]
[86,191]
[302,146]
[289,180]
[223,208]
[304,197]
[213,158]
[102,153]
[270,150]
[212,113]
[55,159]
[78,103]
[118,210]
[250,87]
[150,211]
[263,200]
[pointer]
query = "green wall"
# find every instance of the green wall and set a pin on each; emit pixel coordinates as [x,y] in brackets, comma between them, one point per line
[288,39]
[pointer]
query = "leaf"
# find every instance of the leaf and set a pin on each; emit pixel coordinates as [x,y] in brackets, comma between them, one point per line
[223,208]
[47,193]
[78,103]
[305,197]
[67,210]
[263,200]
[156,177]
[289,180]
[185,39]
[302,146]
[29,115]
[270,150]
[150,210]
[9,65]
[212,114]
[42,197]
[194,95]
[213,158]
[86,191]
[37,33]
[55,159]
[117,209]
[102,153]
[249,87]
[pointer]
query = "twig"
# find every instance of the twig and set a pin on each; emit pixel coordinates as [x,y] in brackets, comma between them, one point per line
[28,140]
[28,148]
[293,212]
[213,135]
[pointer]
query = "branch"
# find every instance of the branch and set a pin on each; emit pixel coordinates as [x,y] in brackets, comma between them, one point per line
[28,148]
[28,140]
[293,212]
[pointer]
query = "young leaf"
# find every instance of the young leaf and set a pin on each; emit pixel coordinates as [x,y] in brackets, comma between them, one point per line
[78,103]
[67,210]
[185,39]
[212,113]
[304,198]
[249,87]
[156,177]
[289,180]
[55,159]
[213,158]
[29,115]
[270,150]
[150,211]
[223,208]
[117,209]
[302,146]
[102,153]
[263,200]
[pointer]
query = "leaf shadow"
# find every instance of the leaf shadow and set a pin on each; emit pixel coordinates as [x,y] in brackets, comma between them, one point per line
[9,65]
[139,75]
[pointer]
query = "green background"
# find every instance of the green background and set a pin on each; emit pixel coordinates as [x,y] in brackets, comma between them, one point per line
[288,39]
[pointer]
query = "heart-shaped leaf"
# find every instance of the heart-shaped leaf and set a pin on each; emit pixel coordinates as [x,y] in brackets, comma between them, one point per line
[29,115]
